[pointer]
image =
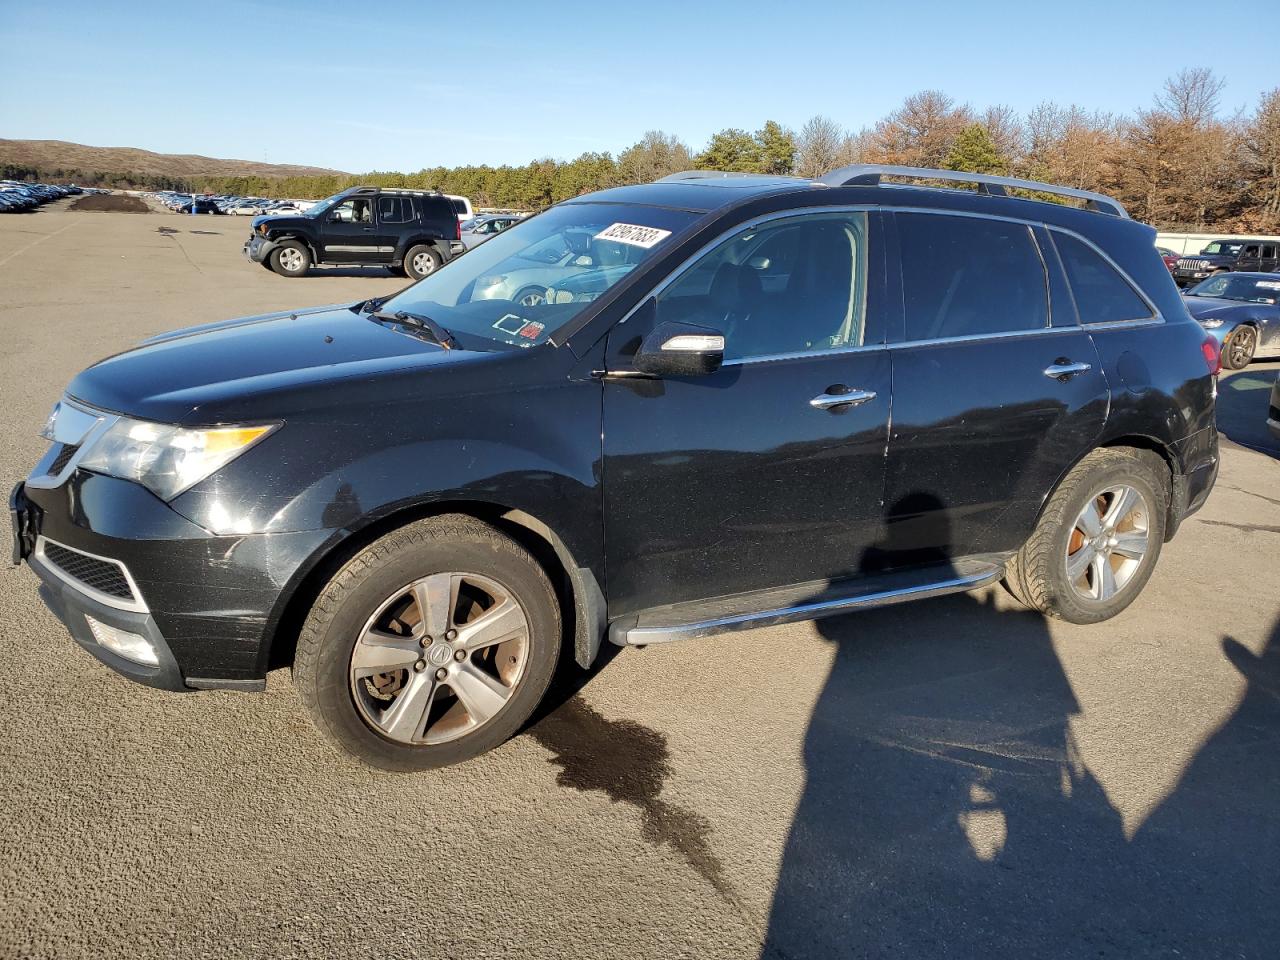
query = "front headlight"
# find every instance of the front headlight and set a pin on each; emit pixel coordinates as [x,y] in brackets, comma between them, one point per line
[1213,324]
[168,459]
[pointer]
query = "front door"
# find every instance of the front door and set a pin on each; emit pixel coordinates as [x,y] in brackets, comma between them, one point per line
[757,475]
[994,395]
[350,232]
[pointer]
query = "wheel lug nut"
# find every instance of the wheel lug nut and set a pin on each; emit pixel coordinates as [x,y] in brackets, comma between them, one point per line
[442,674]
[451,634]
[460,655]
[420,666]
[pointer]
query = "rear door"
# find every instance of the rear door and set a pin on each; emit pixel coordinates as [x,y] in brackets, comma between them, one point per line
[756,475]
[397,216]
[997,389]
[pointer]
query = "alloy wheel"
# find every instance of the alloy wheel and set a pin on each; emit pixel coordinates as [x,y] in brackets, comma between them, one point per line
[423,264]
[1241,346]
[439,658]
[1108,542]
[291,259]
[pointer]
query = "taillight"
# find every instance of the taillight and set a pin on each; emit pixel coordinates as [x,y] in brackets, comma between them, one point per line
[1212,355]
[457,229]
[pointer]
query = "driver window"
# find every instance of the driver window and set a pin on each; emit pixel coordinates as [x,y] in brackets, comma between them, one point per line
[796,285]
[355,210]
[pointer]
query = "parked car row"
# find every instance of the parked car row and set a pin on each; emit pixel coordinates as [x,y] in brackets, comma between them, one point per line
[17,196]
[224,204]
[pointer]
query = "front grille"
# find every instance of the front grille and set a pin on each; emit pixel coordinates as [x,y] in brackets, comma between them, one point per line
[105,576]
[1193,264]
[63,458]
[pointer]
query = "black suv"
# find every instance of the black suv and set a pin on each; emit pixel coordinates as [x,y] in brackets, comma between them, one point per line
[1223,255]
[740,400]
[413,232]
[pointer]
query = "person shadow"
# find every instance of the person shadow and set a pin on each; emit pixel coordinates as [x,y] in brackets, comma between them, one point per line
[947,811]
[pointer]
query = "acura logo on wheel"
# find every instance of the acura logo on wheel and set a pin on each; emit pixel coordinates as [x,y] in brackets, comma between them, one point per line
[440,654]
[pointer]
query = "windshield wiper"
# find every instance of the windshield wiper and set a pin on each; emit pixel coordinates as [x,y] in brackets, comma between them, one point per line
[422,322]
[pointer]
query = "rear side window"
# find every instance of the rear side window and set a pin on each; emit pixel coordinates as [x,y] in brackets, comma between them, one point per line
[1102,295]
[437,208]
[396,210]
[966,276]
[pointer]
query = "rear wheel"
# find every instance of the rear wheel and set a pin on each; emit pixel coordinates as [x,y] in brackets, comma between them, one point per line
[291,259]
[1237,350]
[1098,540]
[431,646]
[421,261]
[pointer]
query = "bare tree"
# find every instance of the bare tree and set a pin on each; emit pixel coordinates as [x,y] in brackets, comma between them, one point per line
[1191,96]
[1260,152]
[818,147]
[655,156]
[920,132]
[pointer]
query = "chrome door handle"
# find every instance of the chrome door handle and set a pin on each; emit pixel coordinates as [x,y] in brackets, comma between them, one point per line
[825,401]
[1063,369]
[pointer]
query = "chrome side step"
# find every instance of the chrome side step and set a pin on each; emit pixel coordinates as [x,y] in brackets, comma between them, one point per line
[639,630]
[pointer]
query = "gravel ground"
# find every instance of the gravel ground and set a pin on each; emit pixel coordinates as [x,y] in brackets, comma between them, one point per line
[951,778]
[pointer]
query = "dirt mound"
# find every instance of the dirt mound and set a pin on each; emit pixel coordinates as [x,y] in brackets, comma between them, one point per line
[110,202]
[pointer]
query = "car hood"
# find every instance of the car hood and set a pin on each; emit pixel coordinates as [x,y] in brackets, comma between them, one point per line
[208,373]
[1205,308]
[279,220]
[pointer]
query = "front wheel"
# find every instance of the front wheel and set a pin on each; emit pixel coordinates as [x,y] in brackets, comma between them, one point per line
[431,646]
[1098,539]
[291,259]
[1238,348]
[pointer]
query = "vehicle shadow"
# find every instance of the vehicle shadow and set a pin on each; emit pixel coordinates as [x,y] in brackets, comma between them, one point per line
[947,811]
[1242,406]
[373,270]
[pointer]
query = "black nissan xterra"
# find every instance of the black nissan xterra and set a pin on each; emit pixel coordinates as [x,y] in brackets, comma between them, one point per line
[414,232]
[736,401]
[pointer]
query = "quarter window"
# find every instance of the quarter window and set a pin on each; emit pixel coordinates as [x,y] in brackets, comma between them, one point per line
[1102,295]
[788,286]
[965,276]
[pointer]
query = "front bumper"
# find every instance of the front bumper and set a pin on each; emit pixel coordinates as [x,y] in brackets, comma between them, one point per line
[207,604]
[258,248]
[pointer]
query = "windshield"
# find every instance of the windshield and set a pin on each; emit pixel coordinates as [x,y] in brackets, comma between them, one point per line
[531,279]
[1223,247]
[320,206]
[1248,289]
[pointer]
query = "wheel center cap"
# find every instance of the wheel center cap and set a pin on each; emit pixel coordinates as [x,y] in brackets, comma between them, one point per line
[440,653]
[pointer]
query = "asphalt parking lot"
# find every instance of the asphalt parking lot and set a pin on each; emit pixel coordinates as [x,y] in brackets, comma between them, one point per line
[957,777]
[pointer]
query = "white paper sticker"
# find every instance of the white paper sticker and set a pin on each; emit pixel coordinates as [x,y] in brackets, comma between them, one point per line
[1269,284]
[636,236]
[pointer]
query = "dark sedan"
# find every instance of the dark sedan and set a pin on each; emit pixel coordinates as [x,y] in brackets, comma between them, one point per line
[1242,312]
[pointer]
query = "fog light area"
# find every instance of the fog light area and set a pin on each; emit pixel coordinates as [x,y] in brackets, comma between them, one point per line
[131,646]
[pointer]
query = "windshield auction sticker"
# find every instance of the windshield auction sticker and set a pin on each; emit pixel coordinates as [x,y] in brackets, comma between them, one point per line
[636,236]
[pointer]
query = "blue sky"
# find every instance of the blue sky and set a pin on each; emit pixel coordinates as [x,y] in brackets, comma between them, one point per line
[400,86]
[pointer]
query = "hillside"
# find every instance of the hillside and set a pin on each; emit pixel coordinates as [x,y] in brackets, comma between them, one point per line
[49,155]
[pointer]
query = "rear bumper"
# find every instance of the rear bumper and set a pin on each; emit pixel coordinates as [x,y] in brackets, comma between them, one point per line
[1192,489]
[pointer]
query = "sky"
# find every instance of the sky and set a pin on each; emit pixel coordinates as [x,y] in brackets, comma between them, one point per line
[405,85]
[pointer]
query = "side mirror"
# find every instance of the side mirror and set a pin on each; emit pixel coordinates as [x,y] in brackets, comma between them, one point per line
[680,350]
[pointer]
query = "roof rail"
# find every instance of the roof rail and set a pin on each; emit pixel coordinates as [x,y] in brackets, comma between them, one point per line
[869,174]
[709,175]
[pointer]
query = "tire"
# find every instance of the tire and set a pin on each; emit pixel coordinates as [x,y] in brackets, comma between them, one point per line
[291,259]
[531,296]
[436,727]
[1040,574]
[421,261]
[1238,348]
